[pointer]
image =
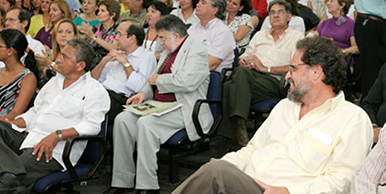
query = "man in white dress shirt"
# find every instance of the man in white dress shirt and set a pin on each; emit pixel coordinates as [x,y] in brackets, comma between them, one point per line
[70,104]
[124,72]
[214,34]
[19,19]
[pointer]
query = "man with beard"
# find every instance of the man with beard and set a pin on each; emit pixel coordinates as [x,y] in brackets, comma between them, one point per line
[311,142]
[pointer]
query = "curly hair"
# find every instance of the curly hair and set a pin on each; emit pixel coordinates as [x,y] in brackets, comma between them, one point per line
[112,7]
[324,52]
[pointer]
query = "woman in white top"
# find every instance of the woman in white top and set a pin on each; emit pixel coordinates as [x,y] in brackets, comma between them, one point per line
[187,11]
[239,22]
[296,22]
[155,11]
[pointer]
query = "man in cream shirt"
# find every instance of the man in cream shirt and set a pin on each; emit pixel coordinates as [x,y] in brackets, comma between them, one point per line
[311,143]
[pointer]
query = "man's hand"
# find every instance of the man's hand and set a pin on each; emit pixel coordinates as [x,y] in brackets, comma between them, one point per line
[18,122]
[270,189]
[136,99]
[376,133]
[153,79]
[117,55]
[46,145]
[255,63]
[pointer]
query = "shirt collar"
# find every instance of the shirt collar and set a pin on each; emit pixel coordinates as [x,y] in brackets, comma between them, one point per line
[211,23]
[136,53]
[334,102]
[269,31]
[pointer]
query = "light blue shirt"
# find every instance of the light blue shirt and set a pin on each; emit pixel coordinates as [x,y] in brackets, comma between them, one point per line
[371,7]
[113,76]
[73,5]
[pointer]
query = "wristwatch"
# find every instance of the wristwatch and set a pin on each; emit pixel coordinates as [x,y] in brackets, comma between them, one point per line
[127,65]
[269,70]
[60,135]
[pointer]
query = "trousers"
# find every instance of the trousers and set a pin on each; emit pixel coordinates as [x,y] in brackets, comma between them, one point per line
[219,176]
[21,162]
[244,87]
[148,133]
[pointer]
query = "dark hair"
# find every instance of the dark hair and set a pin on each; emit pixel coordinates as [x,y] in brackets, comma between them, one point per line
[246,7]
[12,2]
[324,52]
[137,30]
[294,7]
[286,5]
[23,16]
[112,7]
[221,5]
[3,14]
[35,8]
[83,51]
[346,6]
[160,6]
[13,38]
[194,3]
[172,24]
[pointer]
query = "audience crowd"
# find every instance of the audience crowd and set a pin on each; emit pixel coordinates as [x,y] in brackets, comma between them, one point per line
[164,51]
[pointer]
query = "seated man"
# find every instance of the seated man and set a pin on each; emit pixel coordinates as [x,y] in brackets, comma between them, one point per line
[310,143]
[258,76]
[182,75]
[70,104]
[214,34]
[137,11]
[371,176]
[375,103]
[126,71]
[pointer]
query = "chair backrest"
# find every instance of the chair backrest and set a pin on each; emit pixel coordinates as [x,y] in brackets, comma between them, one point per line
[236,59]
[214,91]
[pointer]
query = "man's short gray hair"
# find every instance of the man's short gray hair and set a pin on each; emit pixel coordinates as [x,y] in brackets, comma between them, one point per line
[83,51]
[172,24]
[286,5]
[221,5]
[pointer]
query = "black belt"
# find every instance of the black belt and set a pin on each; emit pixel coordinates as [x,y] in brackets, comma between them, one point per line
[376,18]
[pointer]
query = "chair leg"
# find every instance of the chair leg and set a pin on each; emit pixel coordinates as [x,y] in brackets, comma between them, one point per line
[173,167]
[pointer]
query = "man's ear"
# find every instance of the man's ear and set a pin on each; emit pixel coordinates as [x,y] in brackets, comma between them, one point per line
[215,10]
[317,72]
[81,66]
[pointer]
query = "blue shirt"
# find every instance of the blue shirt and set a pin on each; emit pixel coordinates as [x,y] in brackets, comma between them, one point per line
[113,76]
[73,5]
[371,7]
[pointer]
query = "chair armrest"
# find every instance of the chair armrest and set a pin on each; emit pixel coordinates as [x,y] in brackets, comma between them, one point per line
[225,74]
[196,121]
[67,150]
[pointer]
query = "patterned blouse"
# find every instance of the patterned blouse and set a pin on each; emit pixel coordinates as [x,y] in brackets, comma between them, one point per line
[9,93]
[107,35]
[244,19]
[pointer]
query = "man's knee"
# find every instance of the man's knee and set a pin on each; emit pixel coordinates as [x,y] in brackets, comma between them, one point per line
[216,165]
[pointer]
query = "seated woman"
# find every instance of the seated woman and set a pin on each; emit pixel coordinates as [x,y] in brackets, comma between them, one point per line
[89,17]
[40,20]
[63,31]
[239,22]
[17,82]
[155,11]
[296,22]
[340,27]
[7,4]
[36,6]
[58,10]
[102,36]
[187,12]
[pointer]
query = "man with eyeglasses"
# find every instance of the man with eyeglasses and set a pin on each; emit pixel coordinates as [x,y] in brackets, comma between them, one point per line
[182,75]
[124,72]
[258,76]
[19,19]
[311,142]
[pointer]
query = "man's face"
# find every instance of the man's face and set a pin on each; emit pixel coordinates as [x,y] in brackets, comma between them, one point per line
[298,78]
[12,21]
[167,40]
[122,40]
[278,16]
[134,4]
[67,64]
[204,9]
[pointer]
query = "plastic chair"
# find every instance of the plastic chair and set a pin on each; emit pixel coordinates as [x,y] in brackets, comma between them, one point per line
[85,169]
[179,145]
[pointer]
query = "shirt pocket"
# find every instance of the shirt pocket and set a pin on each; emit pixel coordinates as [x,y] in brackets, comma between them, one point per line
[311,153]
[71,107]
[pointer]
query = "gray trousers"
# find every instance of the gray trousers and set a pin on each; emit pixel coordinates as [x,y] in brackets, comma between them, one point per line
[219,176]
[22,162]
[148,132]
